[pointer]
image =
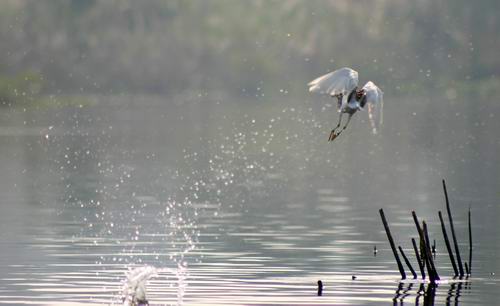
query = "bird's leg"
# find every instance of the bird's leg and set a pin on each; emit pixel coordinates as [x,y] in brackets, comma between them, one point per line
[333,132]
[345,126]
[339,100]
[347,123]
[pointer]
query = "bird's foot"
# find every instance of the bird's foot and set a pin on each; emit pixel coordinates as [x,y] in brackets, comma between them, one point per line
[333,135]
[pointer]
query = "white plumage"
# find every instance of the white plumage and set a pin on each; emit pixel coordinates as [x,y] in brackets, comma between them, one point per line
[343,85]
[341,81]
[375,101]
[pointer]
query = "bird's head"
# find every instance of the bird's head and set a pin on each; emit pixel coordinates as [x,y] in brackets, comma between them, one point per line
[359,94]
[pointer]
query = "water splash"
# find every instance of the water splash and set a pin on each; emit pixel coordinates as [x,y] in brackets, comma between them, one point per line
[134,291]
[134,287]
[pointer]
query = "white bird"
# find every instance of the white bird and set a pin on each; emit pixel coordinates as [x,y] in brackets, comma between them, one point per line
[343,85]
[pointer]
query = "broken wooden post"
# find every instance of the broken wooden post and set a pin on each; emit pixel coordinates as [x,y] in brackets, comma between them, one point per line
[426,254]
[420,263]
[391,242]
[457,250]
[470,246]
[407,262]
[447,243]
[428,246]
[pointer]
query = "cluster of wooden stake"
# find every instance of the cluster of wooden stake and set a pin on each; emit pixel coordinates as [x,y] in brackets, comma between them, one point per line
[425,258]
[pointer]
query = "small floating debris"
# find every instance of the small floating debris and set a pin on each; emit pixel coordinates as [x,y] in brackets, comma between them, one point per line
[320,288]
[354,277]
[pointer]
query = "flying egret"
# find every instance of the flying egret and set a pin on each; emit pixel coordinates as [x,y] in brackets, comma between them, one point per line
[343,85]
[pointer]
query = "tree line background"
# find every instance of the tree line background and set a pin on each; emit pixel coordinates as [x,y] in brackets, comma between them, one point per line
[240,47]
[436,61]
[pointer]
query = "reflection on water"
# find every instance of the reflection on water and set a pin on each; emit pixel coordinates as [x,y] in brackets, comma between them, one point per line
[255,208]
[425,294]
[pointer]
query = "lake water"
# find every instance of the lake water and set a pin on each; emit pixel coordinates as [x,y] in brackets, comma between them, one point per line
[242,205]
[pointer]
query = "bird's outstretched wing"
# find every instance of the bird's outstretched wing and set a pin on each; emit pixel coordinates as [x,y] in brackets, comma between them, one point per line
[375,102]
[341,81]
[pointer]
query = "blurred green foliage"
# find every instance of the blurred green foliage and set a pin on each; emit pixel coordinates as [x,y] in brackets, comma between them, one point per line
[22,87]
[248,47]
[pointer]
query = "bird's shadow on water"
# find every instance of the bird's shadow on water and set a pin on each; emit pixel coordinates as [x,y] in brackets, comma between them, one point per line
[426,293]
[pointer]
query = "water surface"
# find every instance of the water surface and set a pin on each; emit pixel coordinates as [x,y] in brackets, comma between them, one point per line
[243,205]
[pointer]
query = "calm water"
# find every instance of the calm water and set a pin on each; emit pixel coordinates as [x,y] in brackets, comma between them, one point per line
[242,205]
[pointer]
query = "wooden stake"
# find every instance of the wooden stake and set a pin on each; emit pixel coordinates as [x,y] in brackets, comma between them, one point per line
[420,263]
[429,252]
[447,242]
[457,250]
[426,256]
[391,242]
[407,262]
[470,246]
